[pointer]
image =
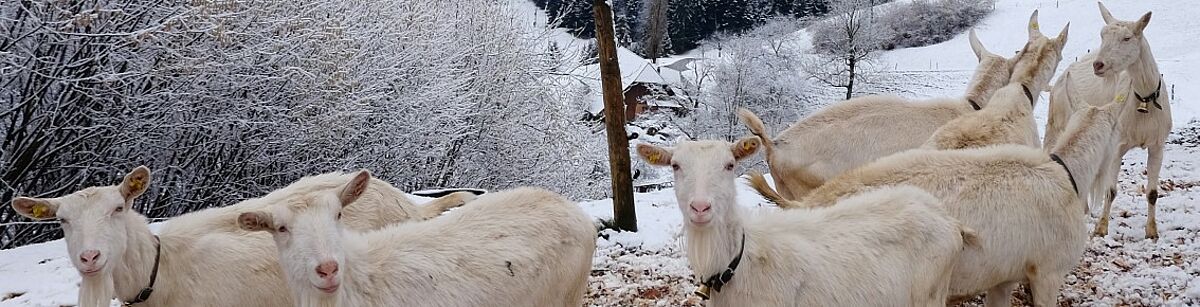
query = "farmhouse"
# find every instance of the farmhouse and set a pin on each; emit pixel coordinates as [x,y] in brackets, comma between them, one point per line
[644,84]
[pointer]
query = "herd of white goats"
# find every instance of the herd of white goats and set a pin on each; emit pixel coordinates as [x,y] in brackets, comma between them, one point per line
[886,202]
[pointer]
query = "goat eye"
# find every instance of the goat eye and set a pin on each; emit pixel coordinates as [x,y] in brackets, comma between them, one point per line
[282,229]
[1126,39]
[339,215]
[729,166]
[675,167]
[119,209]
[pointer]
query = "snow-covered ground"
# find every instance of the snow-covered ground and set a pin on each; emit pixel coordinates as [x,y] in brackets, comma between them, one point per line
[1124,269]
[647,268]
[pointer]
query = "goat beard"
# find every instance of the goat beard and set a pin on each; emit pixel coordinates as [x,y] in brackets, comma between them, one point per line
[96,291]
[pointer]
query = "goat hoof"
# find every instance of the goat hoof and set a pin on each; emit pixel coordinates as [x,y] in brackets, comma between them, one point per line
[1152,233]
[1100,232]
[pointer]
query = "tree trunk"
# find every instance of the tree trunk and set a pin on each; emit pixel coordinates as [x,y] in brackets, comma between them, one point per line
[850,83]
[656,29]
[614,119]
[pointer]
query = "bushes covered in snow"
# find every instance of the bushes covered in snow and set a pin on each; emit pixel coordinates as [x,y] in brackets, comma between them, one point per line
[229,100]
[903,25]
[927,22]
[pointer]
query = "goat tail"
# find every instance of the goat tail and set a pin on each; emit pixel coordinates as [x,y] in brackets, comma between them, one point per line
[757,128]
[759,183]
[970,238]
[442,204]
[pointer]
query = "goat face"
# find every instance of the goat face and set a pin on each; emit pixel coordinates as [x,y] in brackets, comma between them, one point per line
[704,175]
[95,221]
[308,233]
[1120,43]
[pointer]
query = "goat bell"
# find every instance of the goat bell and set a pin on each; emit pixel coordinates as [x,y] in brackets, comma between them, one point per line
[703,291]
[1143,107]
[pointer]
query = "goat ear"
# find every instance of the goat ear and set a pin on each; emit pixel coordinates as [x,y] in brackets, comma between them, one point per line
[654,155]
[35,208]
[1141,23]
[976,46]
[1034,29]
[256,221]
[1108,19]
[1062,36]
[135,183]
[355,188]
[745,147]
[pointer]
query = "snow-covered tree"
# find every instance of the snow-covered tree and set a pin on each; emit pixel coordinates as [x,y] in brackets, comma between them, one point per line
[846,44]
[228,100]
[752,73]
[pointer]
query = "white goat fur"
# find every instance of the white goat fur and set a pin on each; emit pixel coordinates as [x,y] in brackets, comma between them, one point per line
[1029,217]
[520,247]
[802,157]
[1129,68]
[1008,117]
[892,246]
[206,259]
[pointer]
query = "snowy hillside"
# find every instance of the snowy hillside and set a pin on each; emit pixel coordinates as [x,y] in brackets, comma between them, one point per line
[1171,33]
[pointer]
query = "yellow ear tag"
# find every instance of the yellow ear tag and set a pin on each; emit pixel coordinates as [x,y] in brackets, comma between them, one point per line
[40,211]
[747,146]
[1120,97]
[653,157]
[136,184]
[1034,26]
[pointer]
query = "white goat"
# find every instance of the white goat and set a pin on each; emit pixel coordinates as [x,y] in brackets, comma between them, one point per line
[1025,203]
[521,247]
[1008,117]
[866,128]
[1123,69]
[202,258]
[888,247]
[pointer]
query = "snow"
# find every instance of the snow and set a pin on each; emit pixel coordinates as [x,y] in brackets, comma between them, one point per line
[1171,33]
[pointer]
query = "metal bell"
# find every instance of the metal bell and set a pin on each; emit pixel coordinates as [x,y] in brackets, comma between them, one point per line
[703,291]
[1143,107]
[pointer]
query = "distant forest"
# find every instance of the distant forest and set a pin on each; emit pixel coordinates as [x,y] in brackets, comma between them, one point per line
[688,21]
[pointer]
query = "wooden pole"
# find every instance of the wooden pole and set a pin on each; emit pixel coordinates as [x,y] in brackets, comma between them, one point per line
[624,216]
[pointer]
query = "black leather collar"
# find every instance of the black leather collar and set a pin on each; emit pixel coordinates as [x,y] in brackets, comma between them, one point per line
[716,281]
[974,105]
[1153,97]
[1028,94]
[1056,158]
[145,293]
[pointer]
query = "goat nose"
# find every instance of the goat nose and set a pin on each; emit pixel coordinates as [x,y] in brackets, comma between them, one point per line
[327,269]
[89,256]
[1097,65]
[701,206]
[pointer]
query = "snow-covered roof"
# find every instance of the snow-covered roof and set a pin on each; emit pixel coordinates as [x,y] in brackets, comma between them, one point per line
[678,64]
[634,69]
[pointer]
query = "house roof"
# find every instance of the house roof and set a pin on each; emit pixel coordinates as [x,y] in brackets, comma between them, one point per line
[634,69]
